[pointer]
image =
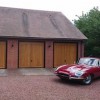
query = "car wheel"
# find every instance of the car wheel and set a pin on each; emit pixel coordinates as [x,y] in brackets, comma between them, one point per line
[87,80]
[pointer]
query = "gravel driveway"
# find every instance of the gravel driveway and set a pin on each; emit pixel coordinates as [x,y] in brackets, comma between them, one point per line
[46,87]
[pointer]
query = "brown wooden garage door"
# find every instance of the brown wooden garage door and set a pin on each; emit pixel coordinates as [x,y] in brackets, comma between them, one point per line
[31,54]
[64,53]
[2,54]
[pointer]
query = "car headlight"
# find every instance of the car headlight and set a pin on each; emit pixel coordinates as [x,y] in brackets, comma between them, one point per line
[79,73]
[60,67]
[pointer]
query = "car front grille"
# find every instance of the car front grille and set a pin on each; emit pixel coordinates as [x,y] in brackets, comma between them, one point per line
[63,75]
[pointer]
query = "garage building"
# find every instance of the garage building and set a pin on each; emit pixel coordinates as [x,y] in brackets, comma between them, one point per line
[37,39]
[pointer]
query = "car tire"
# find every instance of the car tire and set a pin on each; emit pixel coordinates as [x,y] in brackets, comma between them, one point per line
[87,80]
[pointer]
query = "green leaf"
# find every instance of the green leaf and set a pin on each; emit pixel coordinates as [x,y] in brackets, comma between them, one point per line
[89,25]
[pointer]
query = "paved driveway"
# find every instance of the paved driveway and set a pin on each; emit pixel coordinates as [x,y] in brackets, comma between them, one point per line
[27,71]
[45,87]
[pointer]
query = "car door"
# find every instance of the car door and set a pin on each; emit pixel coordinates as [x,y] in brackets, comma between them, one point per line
[97,69]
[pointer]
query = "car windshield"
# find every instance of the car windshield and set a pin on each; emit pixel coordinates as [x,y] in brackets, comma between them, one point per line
[88,61]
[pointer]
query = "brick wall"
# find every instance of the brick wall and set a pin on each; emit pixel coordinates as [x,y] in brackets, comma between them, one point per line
[80,49]
[49,54]
[12,54]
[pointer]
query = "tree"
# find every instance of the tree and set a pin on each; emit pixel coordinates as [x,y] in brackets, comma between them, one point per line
[89,25]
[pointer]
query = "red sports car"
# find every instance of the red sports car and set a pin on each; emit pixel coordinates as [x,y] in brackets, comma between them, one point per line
[86,70]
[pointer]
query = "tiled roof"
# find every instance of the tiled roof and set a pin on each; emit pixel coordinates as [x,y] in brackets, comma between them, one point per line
[36,24]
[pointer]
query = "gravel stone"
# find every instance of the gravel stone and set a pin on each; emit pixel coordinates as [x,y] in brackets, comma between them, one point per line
[46,87]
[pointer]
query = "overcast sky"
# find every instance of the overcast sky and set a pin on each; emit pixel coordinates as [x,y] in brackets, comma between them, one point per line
[69,8]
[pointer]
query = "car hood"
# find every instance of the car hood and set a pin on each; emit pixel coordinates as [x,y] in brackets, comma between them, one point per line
[76,68]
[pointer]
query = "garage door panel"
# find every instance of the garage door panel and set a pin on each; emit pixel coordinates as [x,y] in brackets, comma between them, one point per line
[74,53]
[24,54]
[59,57]
[31,54]
[71,50]
[37,55]
[2,54]
[64,53]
